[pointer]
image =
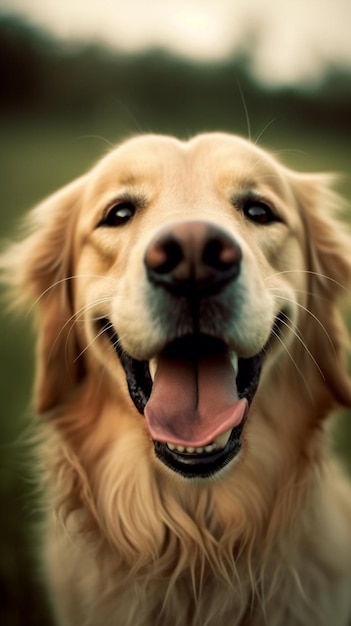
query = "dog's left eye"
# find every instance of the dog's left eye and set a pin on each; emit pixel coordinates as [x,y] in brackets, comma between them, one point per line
[119,214]
[259,212]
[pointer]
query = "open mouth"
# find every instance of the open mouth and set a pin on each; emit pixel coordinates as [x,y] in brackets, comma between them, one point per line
[197,402]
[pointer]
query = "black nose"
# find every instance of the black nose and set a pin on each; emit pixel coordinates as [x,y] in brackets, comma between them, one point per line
[192,259]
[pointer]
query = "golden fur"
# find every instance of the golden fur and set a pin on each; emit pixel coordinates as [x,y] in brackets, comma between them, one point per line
[267,540]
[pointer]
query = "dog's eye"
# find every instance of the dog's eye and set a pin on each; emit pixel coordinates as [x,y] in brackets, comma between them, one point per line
[119,214]
[259,212]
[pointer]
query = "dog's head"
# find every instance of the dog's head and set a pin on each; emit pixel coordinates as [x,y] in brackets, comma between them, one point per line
[192,286]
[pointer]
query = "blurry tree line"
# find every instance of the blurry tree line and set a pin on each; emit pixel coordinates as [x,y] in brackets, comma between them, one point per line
[42,76]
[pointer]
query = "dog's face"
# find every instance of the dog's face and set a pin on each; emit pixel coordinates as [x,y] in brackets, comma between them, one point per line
[191,259]
[180,279]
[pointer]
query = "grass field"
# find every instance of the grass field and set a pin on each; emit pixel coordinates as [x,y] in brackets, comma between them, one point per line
[36,158]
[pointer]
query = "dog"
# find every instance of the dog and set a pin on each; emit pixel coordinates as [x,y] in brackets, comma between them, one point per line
[190,350]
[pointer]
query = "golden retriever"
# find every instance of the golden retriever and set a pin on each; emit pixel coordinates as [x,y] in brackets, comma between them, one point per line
[190,350]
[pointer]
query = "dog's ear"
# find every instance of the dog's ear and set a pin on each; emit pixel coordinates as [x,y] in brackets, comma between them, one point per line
[38,271]
[329,266]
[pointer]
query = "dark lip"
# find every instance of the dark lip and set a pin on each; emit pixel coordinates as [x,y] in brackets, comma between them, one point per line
[140,385]
[138,375]
[201,465]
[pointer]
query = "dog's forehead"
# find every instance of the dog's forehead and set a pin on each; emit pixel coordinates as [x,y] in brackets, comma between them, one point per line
[150,164]
[215,150]
[141,154]
[233,159]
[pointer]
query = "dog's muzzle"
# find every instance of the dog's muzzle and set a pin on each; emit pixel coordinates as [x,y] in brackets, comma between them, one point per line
[197,403]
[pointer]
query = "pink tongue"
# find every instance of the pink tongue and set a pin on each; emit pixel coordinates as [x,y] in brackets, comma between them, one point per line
[193,401]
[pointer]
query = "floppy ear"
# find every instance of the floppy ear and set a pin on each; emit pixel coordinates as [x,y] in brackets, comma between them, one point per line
[329,251]
[38,271]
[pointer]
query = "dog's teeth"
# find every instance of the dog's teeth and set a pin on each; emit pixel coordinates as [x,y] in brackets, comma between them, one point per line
[152,368]
[234,360]
[219,443]
[222,440]
[191,449]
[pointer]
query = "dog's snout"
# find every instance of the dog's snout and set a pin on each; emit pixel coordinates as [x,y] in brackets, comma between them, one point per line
[192,258]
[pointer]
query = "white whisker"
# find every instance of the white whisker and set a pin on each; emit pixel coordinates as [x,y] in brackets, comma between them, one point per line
[257,139]
[298,336]
[312,273]
[95,338]
[300,373]
[316,319]
[100,137]
[67,279]
[74,318]
[288,352]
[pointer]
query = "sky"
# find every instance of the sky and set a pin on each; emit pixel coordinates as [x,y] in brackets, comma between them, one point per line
[290,40]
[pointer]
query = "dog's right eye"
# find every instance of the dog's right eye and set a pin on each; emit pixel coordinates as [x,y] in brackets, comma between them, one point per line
[259,212]
[119,214]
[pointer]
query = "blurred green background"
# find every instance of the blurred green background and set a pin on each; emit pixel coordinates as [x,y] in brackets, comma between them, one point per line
[61,107]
